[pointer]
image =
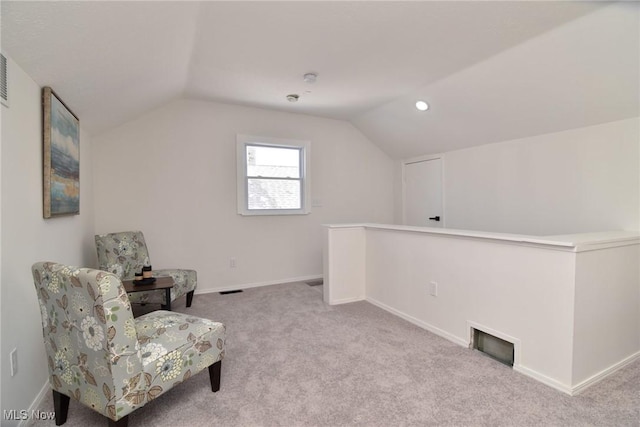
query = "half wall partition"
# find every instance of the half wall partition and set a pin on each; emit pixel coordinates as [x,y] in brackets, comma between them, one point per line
[570,305]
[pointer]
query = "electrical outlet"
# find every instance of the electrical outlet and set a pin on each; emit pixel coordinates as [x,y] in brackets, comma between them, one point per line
[14,361]
[232,263]
[433,289]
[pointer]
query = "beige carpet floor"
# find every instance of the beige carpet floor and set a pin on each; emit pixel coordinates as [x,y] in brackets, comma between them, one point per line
[294,361]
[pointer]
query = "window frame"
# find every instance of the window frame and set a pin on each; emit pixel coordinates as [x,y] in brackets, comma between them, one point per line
[242,180]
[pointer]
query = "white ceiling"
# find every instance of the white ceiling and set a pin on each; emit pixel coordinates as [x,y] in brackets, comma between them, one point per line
[490,70]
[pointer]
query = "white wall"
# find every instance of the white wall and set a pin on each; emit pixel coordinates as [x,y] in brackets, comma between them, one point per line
[575,181]
[500,286]
[344,259]
[172,174]
[607,309]
[28,238]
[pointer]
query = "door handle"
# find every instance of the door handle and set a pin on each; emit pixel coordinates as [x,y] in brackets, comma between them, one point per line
[435,218]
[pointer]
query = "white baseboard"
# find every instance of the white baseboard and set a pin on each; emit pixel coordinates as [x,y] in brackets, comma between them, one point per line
[36,404]
[346,300]
[583,385]
[258,284]
[543,379]
[418,322]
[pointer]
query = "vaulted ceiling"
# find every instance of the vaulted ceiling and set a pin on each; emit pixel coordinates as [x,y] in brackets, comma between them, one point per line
[491,71]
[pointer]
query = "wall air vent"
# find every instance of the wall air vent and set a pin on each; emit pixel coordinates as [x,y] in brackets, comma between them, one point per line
[4,82]
[494,347]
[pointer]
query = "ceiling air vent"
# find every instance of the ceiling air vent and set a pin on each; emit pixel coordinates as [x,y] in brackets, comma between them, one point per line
[4,84]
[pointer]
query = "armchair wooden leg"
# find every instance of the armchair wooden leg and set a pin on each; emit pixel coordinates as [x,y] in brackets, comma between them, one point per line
[122,422]
[189,298]
[214,375]
[61,406]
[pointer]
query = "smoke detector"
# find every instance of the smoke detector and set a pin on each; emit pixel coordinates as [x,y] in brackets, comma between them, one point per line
[293,97]
[310,77]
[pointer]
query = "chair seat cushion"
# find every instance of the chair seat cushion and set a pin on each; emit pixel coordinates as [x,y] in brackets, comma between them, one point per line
[174,346]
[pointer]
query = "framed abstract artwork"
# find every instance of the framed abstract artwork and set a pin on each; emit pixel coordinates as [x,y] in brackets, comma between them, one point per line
[61,134]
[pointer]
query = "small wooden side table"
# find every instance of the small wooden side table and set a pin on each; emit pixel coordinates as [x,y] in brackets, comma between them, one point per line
[165,282]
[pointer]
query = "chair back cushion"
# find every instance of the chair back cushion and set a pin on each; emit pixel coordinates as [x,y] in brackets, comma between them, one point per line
[122,254]
[89,335]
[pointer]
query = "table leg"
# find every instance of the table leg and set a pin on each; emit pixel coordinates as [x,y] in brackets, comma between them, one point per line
[167,306]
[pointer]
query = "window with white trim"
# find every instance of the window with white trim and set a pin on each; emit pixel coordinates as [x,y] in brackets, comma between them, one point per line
[273,176]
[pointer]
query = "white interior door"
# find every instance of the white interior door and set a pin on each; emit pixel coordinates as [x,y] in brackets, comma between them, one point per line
[423,193]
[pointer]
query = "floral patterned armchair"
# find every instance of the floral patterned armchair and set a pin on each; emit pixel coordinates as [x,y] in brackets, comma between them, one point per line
[101,356]
[125,253]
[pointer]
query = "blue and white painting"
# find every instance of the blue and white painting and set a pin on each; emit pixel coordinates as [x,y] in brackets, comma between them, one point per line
[64,171]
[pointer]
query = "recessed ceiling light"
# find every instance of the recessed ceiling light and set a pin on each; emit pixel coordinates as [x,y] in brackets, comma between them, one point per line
[422,106]
[293,97]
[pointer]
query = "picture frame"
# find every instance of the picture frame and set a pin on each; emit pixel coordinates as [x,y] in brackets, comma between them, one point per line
[61,155]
